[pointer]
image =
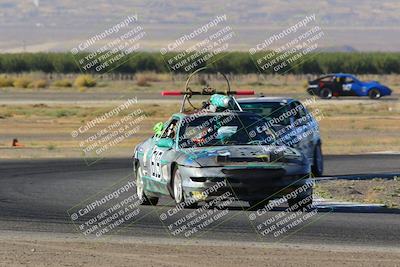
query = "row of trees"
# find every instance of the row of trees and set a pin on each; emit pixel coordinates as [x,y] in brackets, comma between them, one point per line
[229,62]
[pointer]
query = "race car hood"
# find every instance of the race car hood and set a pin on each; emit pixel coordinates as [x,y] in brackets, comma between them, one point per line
[375,84]
[236,155]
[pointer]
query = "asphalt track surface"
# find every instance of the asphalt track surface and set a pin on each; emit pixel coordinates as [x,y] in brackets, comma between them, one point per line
[35,195]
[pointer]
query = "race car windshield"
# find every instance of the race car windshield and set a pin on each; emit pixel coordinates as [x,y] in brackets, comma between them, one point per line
[225,130]
[269,111]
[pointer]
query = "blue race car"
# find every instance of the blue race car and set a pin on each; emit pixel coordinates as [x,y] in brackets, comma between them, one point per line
[340,84]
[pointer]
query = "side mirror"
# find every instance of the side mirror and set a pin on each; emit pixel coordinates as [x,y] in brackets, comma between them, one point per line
[158,128]
[165,142]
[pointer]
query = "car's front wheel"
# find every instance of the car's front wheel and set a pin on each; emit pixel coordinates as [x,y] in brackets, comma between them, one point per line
[140,189]
[178,190]
[177,187]
[325,93]
[317,168]
[374,93]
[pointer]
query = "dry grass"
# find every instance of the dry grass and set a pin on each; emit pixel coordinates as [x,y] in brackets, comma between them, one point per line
[375,191]
[360,128]
[38,84]
[62,83]
[142,81]
[22,82]
[154,77]
[145,78]
[289,85]
[6,81]
[31,80]
[85,81]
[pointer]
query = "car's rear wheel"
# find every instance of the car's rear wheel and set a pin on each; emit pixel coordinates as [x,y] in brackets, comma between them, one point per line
[178,191]
[140,189]
[317,168]
[374,93]
[325,93]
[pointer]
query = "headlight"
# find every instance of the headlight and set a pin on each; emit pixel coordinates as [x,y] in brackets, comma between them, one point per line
[291,153]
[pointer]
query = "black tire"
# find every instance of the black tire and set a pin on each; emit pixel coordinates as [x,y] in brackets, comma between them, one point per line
[325,93]
[178,192]
[194,205]
[317,169]
[374,93]
[310,91]
[258,204]
[301,203]
[140,190]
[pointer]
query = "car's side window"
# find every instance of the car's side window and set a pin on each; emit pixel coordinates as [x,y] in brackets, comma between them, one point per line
[171,129]
[327,79]
[300,109]
[349,80]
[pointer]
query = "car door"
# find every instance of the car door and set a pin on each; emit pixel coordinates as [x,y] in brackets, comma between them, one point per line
[157,158]
[350,87]
[337,85]
[304,129]
[159,155]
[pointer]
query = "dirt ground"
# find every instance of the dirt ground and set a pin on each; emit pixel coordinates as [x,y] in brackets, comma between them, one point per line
[48,250]
[376,191]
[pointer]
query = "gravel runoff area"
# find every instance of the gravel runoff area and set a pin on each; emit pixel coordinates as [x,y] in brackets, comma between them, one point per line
[33,249]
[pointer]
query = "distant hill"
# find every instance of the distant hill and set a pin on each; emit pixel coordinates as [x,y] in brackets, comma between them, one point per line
[57,25]
[344,48]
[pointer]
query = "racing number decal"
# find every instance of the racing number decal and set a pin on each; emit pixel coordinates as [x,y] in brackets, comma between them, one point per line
[346,87]
[155,165]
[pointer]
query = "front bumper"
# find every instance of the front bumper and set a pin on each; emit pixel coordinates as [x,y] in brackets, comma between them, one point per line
[244,182]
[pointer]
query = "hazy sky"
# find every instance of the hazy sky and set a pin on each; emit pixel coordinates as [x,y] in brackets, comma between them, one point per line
[58,25]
